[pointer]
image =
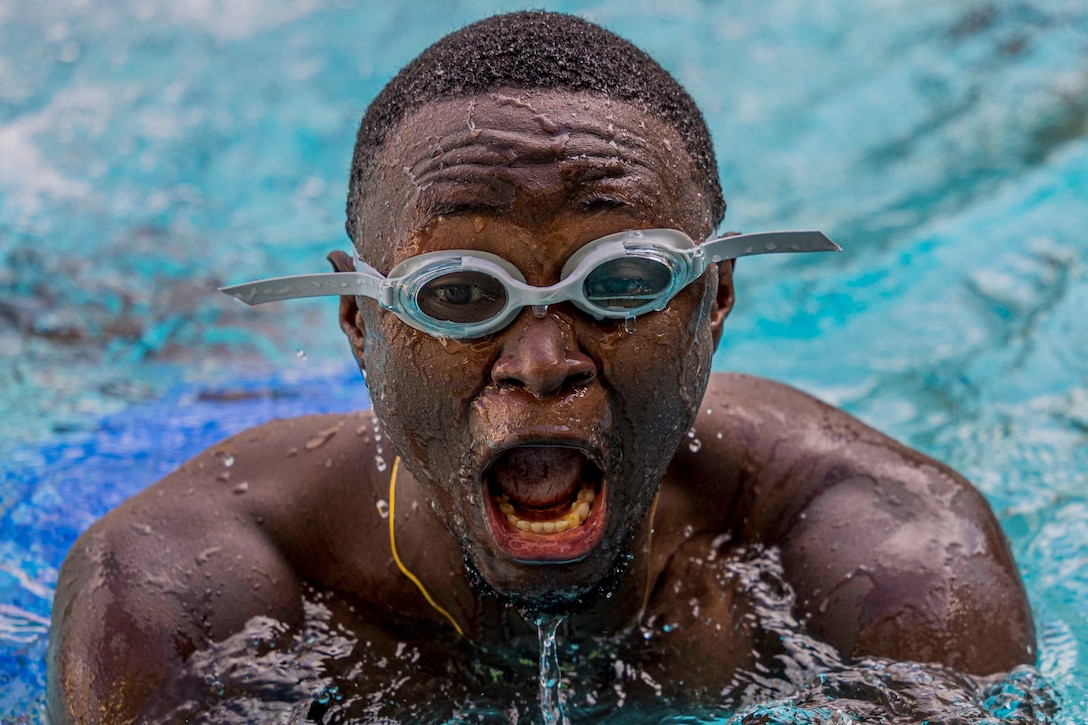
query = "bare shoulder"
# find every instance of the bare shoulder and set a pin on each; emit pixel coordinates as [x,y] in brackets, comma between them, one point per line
[889,551]
[295,483]
[302,480]
[229,535]
[784,449]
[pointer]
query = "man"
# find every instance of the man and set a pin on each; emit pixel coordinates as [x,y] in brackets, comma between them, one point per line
[530,437]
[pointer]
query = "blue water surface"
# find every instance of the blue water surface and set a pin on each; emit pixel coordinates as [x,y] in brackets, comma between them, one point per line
[151,151]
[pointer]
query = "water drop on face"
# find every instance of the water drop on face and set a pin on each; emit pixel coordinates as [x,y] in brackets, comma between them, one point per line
[379,461]
[228,461]
[629,325]
[383,508]
[241,488]
[540,311]
[694,445]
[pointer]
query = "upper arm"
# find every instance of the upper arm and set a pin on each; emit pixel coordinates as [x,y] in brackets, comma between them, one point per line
[910,570]
[153,581]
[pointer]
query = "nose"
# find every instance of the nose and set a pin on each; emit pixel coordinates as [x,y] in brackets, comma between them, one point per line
[542,357]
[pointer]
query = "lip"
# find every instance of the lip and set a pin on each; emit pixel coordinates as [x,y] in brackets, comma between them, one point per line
[564,547]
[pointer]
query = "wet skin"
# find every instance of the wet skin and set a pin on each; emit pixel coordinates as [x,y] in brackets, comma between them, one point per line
[889,552]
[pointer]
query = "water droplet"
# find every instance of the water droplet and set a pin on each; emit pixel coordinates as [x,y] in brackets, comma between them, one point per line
[321,438]
[719,435]
[540,311]
[688,531]
[300,354]
[240,488]
[694,445]
[215,685]
[379,461]
[629,325]
[383,508]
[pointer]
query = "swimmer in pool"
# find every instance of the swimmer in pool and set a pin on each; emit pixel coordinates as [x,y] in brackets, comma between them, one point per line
[534,303]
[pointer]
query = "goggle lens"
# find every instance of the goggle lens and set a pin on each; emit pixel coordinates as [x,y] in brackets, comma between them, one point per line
[627,283]
[463,297]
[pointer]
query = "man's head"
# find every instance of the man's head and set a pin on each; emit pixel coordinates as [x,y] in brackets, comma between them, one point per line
[541,445]
[533,50]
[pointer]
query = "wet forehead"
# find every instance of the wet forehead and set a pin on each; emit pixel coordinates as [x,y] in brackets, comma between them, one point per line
[517,153]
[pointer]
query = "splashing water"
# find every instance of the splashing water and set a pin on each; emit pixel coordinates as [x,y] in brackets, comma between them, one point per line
[340,667]
[551,709]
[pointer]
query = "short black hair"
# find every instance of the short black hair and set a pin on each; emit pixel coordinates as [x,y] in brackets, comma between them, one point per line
[533,49]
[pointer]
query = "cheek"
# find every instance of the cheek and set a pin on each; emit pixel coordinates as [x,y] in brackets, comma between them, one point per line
[659,372]
[422,388]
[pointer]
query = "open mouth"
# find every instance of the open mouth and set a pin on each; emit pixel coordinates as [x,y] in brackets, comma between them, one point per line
[545,503]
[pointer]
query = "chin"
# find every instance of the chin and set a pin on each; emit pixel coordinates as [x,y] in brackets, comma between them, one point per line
[547,590]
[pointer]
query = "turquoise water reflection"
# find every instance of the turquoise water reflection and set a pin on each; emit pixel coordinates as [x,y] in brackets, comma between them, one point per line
[150,151]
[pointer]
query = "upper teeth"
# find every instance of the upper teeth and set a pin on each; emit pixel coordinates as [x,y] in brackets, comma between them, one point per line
[576,514]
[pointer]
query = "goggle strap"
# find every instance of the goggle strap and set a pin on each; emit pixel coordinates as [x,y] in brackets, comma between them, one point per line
[306,285]
[369,283]
[744,245]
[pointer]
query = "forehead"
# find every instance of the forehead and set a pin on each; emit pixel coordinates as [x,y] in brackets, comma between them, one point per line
[528,156]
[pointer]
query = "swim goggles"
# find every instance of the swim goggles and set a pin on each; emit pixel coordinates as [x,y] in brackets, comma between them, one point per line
[468,293]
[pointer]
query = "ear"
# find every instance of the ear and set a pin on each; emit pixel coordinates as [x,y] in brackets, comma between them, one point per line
[351,322]
[723,299]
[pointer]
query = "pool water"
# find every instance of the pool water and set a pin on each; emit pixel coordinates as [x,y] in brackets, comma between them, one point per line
[151,151]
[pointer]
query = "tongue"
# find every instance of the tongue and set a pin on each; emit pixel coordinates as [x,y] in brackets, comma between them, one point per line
[538,476]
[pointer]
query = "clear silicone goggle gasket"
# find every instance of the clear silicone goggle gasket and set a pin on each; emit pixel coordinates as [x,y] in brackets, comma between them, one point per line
[398,292]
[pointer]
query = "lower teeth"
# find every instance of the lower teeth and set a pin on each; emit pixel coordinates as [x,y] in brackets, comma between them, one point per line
[578,513]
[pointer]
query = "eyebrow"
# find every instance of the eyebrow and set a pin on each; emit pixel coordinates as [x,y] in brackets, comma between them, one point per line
[479,192]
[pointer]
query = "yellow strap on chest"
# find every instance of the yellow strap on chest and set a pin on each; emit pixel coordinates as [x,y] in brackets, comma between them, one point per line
[396,557]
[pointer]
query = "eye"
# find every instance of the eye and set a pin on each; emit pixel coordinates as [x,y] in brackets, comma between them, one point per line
[462,297]
[626,283]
